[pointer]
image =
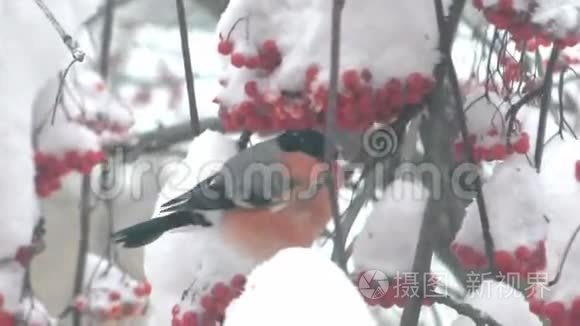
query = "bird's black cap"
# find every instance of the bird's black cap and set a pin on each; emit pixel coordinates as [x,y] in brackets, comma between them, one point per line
[309,141]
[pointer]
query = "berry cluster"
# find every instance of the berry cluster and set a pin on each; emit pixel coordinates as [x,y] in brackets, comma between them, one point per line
[213,305]
[400,289]
[556,312]
[493,151]
[518,22]
[118,305]
[50,168]
[267,58]
[359,103]
[522,261]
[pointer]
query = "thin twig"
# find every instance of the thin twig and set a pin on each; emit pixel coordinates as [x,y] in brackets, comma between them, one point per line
[83,242]
[478,316]
[545,107]
[187,66]
[338,254]
[71,44]
[106,166]
[564,257]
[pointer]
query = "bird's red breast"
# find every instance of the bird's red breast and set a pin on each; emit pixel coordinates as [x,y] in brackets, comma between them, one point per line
[261,233]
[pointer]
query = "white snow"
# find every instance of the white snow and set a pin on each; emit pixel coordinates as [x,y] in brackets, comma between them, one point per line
[392,228]
[101,278]
[34,312]
[515,207]
[299,287]
[302,31]
[502,302]
[560,18]
[193,256]
[562,192]
[27,60]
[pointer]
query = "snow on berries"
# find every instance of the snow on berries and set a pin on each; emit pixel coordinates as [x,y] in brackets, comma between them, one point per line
[539,22]
[212,305]
[505,304]
[277,62]
[111,294]
[61,149]
[560,302]
[392,228]
[517,215]
[488,127]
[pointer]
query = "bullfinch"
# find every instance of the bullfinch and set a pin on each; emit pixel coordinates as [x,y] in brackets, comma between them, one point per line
[270,196]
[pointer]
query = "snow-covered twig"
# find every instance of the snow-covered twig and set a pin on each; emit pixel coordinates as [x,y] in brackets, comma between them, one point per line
[338,254]
[545,106]
[478,316]
[72,45]
[189,80]
[160,138]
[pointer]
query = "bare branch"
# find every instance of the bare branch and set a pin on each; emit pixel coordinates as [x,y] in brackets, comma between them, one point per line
[189,80]
[338,254]
[545,106]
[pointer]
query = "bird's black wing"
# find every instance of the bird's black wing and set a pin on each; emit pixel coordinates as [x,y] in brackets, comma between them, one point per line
[210,194]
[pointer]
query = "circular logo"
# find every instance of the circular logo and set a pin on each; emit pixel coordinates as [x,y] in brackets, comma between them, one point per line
[380,142]
[373,284]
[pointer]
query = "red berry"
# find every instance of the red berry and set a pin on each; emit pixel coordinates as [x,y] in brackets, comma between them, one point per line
[175,310]
[251,89]
[114,296]
[536,306]
[220,290]
[176,322]
[578,170]
[190,319]
[207,303]
[554,310]
[575,308]
[311,74]
[252,62]
[522,146]
[115,311]
[351,80]
[523,253]
[270,47]
[238,60]
[498,152]
[225,47]
[505,261]
[238,282]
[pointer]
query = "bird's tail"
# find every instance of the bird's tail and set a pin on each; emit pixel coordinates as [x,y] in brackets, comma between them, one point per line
[146,232]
